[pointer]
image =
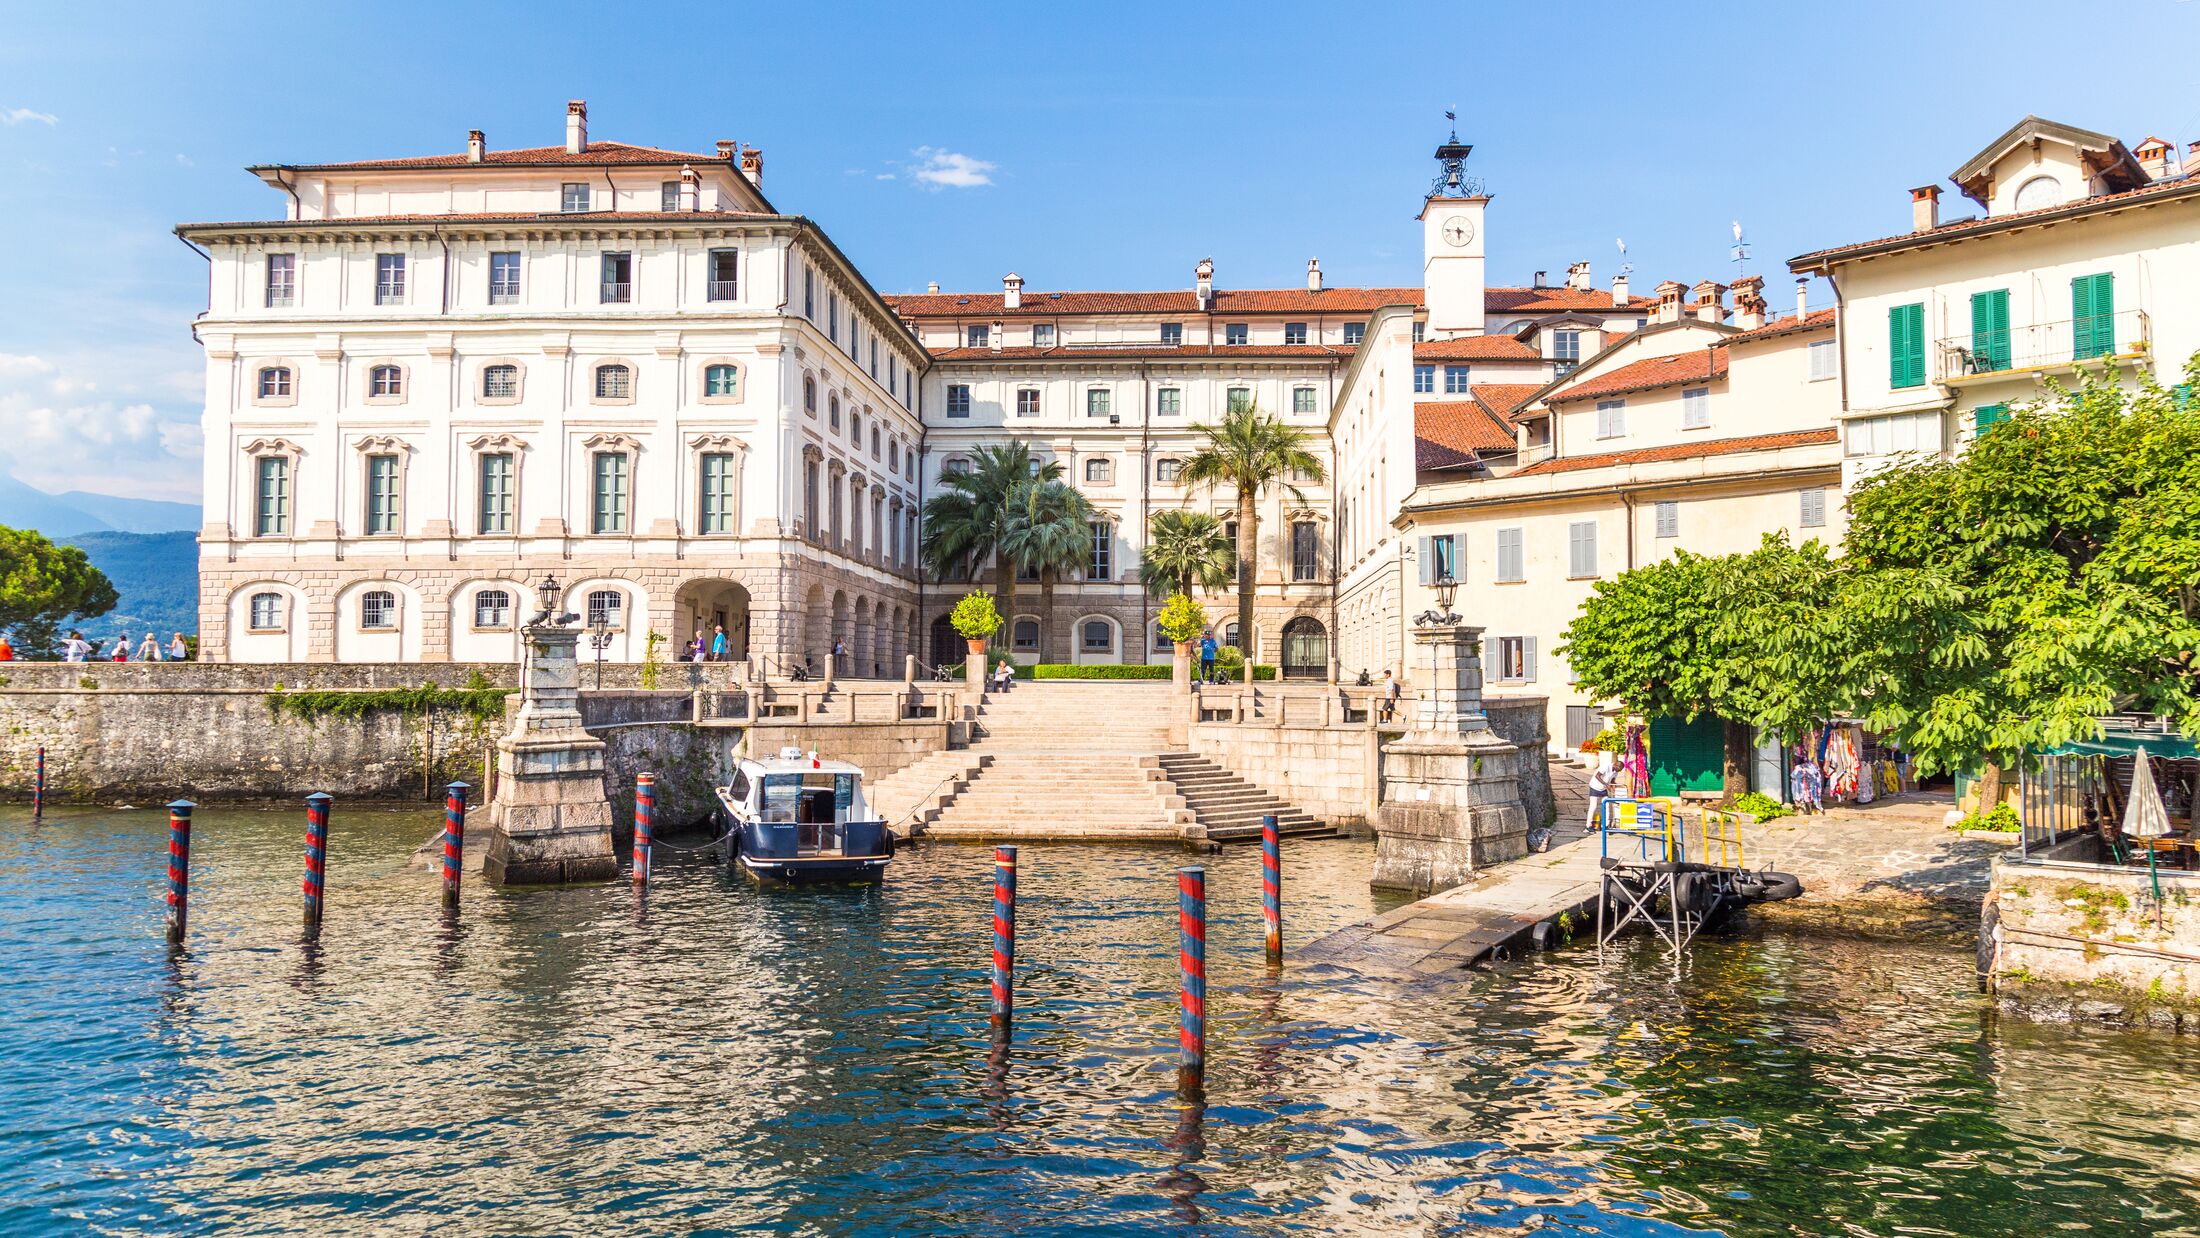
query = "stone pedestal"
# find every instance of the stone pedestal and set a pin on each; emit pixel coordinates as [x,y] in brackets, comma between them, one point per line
[1180,671]
[1450,787]
[550,822]
[974,669]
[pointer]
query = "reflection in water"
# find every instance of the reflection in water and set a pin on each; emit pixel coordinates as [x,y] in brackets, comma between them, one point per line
[821,1062]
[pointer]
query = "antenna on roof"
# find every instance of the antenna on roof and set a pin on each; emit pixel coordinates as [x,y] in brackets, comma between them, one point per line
[1625,268]
[1740,251]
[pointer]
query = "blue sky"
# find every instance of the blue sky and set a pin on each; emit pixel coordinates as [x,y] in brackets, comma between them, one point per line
[1095,147]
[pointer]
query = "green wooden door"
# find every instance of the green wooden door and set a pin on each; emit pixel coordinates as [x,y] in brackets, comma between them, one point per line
[1990,330]
[1687,756]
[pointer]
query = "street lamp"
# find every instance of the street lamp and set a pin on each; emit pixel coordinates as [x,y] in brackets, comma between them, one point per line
[1442,615]
[552,596]
[599,639]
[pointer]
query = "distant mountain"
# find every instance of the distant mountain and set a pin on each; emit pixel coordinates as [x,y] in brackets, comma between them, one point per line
[57,516]
[156,576]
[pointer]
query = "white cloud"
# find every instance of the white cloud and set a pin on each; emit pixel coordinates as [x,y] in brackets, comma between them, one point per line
[24,116]
[65,435]
[946,169]
[185,160]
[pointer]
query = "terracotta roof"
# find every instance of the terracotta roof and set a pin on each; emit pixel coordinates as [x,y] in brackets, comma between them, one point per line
[1504,399]
[1242,301]
[1694,366]
[1475,348]
[1544,300]
[1995,223]
[1686,451]
[1074,353]
[597,154]
[548,218]
[1455,433]
[1816,320]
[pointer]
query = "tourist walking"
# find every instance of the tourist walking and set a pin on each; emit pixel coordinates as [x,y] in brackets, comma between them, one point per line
[840,655]
[179,649]
[718,643]
[697,646]
[76,648]
[1207,652]
[1391,691]
[1600,787]
[149,649]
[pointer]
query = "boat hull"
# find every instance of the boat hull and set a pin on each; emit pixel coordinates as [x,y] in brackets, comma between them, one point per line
[814,869]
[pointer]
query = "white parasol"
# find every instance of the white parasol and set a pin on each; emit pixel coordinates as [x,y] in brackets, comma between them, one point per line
[2144,816]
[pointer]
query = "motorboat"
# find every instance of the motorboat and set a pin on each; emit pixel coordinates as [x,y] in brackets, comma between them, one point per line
[798,819]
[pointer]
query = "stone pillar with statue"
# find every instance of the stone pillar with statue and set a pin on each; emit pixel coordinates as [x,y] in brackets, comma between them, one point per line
[550,821]
[1450,787]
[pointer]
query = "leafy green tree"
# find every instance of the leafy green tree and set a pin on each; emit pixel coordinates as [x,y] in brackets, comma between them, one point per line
[1181,618]
[1185,550]
[1251,451]
[965,524]
[42,584]
[1049,532]
[975,617]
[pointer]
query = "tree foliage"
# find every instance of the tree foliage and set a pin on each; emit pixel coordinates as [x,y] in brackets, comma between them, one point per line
[967,523]
[42,584]
[1250,451]
[975,617]
[1185,550]
[1182,619]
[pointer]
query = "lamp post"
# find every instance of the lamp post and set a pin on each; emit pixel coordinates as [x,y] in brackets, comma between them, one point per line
[599,639]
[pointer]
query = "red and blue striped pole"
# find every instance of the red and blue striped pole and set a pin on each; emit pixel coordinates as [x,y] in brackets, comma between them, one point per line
[1191,959]
[645,821]
[1271,888]
[179,868]
[38,787]
[1004,939]
[454,840]
[316,858]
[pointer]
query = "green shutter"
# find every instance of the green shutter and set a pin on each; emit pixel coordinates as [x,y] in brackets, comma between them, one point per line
[1990,330]
[2092,315]
[1986,415]
[1906,345]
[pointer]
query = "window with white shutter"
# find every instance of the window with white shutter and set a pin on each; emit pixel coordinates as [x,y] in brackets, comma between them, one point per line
[1581,549]
[1511,561]
[1695,408]
[1669,519]
[1814,507]
[1611,418]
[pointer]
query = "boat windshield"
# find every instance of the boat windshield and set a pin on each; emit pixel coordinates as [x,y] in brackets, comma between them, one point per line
[812,798]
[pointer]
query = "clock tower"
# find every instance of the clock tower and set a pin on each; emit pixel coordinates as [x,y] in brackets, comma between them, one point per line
[1451,245]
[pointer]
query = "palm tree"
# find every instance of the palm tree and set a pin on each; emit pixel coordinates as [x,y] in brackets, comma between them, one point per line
[1050,532]
[965,523]
[1184,550]
[1250,451]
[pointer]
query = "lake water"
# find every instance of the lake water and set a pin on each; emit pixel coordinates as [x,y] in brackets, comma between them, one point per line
[721,1060]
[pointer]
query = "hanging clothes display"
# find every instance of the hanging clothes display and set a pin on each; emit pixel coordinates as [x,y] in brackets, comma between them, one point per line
[1844,766]
[1638,762]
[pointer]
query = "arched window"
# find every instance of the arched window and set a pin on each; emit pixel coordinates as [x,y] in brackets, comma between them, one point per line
[267,611]
[606,608]
[1097,636]
[614,382]
[493,609]
[500,382]
[954,466]
[1026,636]
[386,382]
[832,413]
[1230,636]
[809,395]
[1100,470]
[855,426]
[1161,641]
[275,383]
[722,380]
[378,609]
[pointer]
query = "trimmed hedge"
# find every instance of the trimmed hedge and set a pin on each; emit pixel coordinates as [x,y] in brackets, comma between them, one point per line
[1057,670]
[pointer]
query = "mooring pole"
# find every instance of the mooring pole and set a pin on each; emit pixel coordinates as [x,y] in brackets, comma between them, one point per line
[38,787]
[1191,958]
[179,868]
[454,840]
[645,821]
[1271,888]
[1004,940]
[316,858]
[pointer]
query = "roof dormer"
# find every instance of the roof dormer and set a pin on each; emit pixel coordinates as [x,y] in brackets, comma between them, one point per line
[2039,163]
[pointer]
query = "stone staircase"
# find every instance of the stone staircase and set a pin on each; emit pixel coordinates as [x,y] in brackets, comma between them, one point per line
[1227,806]
[907,798]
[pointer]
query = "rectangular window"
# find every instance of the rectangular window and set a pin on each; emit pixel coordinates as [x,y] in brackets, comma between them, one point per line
[504,277]
[1235,333]
[1990,331]
[618,278]
[725,275]
[1439,559]
[1305,550]
[668,196]
[610,491]
[2092,316]
[271,505]
[1424,379]
[1566,350]
[1103,552]
[1906,345]
[282,280]
[1457,380]
[1515,659]
[1238,399]
[1669,518]
[1512,565]
[1814,508]
[496,492]
[1168,470]
[1695,408]
[1168,401]
[1987,415]
[1042,335]
[1354,332]
[976,337]
[1302,399]
[389,279]
[1420,331]
[573,196]
[832,316]
[1099,402]
[1172,334]
[958,400]
[717,493]
[1294,333]
[381,494]
[1581,549]
[1825,362]
[809,294]
[1611,418]
[1027,402]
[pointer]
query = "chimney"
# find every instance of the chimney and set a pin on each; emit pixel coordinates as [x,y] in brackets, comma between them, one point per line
[1577,277]
[1924,208]
[1012,291]
[1707,301]
[1313,275]
[476,146]
[752,165]
[1802,297]
[1749,302]
[1203,286]
[1619,290]
[1669,301]
[1539,278]
[998,335]
[2153,156]
[729,150]
[576,126]
[933,288]
[691,190]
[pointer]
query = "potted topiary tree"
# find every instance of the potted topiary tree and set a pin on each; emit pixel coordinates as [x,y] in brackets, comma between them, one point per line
[976,619]
[1183,621]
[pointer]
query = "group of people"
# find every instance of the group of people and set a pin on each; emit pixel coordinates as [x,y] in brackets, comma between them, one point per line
[77,649]
[713,648]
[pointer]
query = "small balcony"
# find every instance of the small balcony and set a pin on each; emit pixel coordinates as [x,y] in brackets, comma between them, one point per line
[1984,356]
[617,292]
[723,290]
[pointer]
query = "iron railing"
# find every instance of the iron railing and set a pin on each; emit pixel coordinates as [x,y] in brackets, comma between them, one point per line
[2044,344]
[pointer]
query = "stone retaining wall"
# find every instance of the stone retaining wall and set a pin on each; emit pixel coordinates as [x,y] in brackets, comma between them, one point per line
[2087,942]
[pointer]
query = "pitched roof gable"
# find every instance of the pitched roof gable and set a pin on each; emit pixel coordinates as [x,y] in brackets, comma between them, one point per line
[1695,365]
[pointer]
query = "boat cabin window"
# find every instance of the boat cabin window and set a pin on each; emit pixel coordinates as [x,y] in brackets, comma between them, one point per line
[738,789]
[814,798]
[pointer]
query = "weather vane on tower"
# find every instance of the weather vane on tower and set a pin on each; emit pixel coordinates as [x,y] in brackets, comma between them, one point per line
[1452,180]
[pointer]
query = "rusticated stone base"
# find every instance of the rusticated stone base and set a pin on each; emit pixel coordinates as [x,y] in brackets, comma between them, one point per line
[575,846]
[1450,806]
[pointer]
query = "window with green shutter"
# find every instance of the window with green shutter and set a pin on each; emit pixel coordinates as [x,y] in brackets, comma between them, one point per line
[1990,330]
[1986,415]
[1906,345]
[2092,315]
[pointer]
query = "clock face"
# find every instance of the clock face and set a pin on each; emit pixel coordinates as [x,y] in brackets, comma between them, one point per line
[1459,232]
